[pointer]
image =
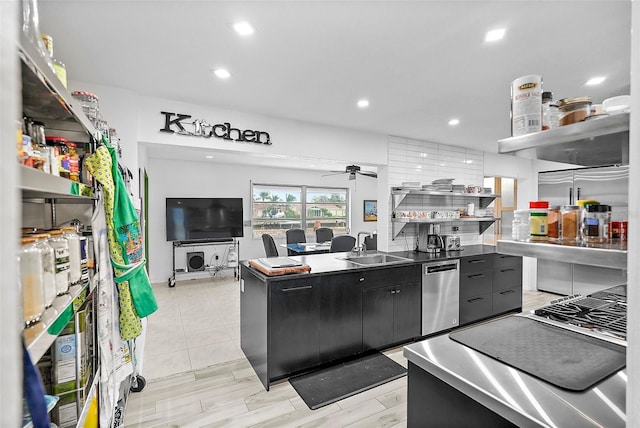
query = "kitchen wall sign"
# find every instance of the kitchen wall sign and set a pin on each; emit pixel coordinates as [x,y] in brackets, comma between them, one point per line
[182,124]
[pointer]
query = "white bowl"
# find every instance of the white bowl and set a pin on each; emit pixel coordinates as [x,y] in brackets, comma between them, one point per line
[614,105]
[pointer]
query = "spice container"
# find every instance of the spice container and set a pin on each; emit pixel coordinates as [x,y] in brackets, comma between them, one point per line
[520,225]
[573,110]
[526,105]
[75,256]
[32,281]
[553,223]
[550,112]
[61,253]
[89,104]
[597,222]
[569,229]
[538,211]
[48,267]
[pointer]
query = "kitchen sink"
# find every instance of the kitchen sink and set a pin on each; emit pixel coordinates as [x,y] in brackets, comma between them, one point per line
[375,259]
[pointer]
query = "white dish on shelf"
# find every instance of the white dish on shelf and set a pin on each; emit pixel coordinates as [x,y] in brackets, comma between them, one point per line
[615,105]
[411,184]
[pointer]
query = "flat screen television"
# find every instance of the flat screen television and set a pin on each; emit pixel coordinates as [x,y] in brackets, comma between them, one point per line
[204,218]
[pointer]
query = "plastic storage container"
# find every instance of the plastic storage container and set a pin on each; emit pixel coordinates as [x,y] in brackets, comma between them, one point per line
[48,267]
[61,253]
[520,225]
[538,211]
[570,224]
[75,256]
[32,281]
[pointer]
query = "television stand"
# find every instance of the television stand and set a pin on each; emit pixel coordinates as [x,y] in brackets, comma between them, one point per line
[226,256]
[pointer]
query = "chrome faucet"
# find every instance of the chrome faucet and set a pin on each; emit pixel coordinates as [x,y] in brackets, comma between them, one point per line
[361,248]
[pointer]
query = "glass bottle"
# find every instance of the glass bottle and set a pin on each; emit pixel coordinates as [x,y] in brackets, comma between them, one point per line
[61,253]
[31,278]
[75,256]
[48,267]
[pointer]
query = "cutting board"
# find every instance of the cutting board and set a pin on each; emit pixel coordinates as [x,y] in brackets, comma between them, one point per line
[280,270]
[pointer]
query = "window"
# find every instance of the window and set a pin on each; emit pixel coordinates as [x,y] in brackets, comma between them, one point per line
[275,209]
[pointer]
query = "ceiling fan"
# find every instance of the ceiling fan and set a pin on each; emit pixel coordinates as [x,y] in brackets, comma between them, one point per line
[352,170]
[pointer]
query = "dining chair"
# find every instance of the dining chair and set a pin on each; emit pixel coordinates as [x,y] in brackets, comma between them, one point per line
[270,248]
[295,236]
[342,243]
[324,234]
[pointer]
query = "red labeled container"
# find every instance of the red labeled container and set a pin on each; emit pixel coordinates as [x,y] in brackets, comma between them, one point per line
[538,223]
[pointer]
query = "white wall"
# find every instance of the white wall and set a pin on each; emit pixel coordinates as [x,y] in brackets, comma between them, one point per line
[170,178]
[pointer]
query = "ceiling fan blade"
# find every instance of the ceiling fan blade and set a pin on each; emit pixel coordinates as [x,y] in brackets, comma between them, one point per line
[368,173]
[333,173]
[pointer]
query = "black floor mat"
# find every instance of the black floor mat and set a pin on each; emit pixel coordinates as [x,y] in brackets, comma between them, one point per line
[561,357]
[334,383]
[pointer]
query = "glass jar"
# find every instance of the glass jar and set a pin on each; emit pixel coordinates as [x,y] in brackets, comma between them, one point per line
[553,223]
[48,267]
[61,253]
[89,104]
[538,211]
[520,225]
[573,110]
[597,223]
[75,256]
[32,281]
[569,229]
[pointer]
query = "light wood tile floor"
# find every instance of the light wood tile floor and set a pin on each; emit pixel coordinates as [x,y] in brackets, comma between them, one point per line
[197,375]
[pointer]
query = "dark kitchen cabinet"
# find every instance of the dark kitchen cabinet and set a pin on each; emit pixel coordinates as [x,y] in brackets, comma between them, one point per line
[340,333]
[490,284]
[294,325]
[390,314]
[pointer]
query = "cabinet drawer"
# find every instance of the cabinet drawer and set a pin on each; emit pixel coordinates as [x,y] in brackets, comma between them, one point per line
[391,276]
[472,284]
[476,263]
[502,260]
[507,277]
[475,308]
[507,300]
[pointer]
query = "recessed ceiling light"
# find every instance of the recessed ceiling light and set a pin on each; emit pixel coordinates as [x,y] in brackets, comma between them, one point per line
[244,28]
[209,156]
[595,80]
[494,35]
[454,122]
[222,73]
[363,103]
[468,161]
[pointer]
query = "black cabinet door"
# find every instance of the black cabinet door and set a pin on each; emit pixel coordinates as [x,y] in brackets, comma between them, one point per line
[406,312]
[475,308]
[294,326]
[377,317]
[340,316]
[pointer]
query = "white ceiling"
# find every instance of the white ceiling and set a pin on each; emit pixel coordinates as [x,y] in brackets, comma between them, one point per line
[420,63]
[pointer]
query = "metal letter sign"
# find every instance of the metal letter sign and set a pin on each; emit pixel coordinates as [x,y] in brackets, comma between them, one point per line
[200,128]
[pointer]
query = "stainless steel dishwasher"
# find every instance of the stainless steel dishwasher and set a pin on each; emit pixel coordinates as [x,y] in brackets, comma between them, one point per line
[440,296]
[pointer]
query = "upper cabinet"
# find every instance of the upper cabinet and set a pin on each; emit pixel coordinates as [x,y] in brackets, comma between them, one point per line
[595,142]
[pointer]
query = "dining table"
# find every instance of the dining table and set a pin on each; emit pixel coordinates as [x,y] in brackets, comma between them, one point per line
[305,248]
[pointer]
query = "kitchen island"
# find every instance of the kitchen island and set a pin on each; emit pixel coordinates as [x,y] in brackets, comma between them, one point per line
[294,322]
[446,376]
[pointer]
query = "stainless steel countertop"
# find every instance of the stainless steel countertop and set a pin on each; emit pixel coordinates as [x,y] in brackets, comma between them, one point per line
[518,397]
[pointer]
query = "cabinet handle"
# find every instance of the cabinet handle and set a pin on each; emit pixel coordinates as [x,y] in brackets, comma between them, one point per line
[478,275]
[304,287]
[476,261]
[507,292]
[506,270]
[475,300]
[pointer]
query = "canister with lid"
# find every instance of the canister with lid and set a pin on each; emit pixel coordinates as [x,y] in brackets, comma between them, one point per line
[553,223]
[570,226]
[573,110]
[597,223]
[48,267]
[75,256]
[526,105]
[32,281]
[61,253]
[538,211]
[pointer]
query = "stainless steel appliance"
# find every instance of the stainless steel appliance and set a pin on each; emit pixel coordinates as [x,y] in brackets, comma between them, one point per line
[452,243]
[440,296]
[429,239]
[608,185]
[602,314]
